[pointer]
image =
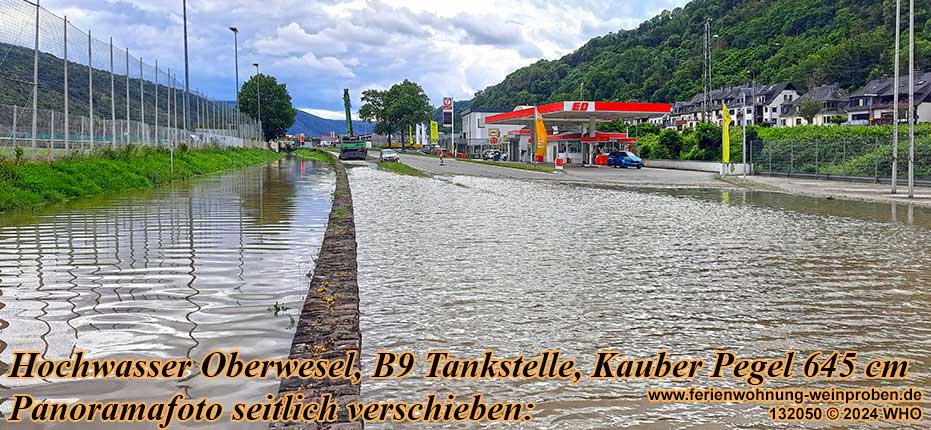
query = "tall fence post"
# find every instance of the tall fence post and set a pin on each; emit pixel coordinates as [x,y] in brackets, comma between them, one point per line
[157,143]
[51,137]
[112,100]
[35,86]
[90,86]
[145,135]
[67,112]
[128,128]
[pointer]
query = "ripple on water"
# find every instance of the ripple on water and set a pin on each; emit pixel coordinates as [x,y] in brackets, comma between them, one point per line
[166,273]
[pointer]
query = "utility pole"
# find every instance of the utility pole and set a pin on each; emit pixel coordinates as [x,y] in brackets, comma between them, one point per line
[895,98]
[911,99]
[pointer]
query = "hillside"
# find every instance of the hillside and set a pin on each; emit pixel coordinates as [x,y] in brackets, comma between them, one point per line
[312,125]
[807,43]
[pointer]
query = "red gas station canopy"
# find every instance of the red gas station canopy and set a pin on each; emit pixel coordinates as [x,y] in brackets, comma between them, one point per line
[581,112]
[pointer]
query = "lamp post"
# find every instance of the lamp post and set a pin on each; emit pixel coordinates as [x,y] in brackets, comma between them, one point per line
[187,75]
[258,97]
[236,50]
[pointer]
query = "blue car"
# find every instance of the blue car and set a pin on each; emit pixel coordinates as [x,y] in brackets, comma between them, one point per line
[624,159]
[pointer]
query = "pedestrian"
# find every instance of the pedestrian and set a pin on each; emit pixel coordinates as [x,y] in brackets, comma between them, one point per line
[442,154]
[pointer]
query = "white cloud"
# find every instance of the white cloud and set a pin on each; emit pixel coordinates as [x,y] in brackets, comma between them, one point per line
[319,47]
[330,114]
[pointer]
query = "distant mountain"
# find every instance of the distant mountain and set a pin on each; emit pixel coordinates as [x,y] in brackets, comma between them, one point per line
[313,125]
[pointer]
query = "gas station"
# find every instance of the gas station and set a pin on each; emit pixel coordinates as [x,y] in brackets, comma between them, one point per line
[571,128]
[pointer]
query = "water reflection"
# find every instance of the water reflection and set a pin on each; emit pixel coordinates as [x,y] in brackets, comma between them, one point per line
[167,273]
[519,267]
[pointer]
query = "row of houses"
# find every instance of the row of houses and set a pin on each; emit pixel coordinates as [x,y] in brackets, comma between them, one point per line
[779,105]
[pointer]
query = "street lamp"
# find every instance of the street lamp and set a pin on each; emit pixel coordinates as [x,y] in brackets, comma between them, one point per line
[236,50]
[187,75]
[258,97]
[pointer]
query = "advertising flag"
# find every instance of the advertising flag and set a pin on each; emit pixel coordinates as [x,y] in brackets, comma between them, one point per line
[725,136]
[434,132]
[540,135]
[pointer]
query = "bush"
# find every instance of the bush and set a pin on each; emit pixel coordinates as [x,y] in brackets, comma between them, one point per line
[671,142]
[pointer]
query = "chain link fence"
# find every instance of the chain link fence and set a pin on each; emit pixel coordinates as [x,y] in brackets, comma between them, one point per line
[77,93]
[862,159]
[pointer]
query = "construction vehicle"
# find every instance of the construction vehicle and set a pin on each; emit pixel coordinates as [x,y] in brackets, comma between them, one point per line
[350,146]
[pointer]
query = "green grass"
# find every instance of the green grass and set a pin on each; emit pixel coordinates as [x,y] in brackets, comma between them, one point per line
[513,165]
[32,184]
[315,154]
[399,167]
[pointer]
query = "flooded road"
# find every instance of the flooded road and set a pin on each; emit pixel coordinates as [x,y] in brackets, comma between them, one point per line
[466,264]
[172,272]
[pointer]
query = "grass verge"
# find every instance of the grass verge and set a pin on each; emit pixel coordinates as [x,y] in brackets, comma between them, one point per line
[316,154]
[399,167]
[28,185]
[513,165]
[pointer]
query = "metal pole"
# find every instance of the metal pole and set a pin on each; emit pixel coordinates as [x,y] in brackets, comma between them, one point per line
[90,85]
[187,76]
[258,98]
[911,99]
[169,91]
[35,86]
[895,99]
[156,104]
[744,116]
[142,103]
[112,100]
[67,112]
[127,128]
[236,52]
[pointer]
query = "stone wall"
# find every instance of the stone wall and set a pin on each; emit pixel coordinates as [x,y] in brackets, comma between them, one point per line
[329,321]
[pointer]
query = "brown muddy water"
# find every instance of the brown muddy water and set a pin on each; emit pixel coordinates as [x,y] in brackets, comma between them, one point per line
[466,264]
[172,272]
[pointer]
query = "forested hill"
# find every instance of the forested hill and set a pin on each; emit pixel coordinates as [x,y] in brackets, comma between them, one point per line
[807,42]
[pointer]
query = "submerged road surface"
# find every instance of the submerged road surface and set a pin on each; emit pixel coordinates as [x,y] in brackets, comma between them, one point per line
[602,175]
[465,264]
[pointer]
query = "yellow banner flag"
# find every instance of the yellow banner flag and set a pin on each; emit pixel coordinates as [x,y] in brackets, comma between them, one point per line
[726,136]
[540,135]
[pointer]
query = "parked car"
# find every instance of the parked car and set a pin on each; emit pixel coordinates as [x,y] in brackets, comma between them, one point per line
[389,155]
[624,159]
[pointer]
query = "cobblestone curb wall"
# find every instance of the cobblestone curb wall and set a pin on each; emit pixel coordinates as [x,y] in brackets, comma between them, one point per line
[329,321]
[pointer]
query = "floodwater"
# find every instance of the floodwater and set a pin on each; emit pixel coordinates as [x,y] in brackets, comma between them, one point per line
[172,272]
[467,264]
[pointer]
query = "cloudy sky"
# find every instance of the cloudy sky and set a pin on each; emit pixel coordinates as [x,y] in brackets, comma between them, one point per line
[319,47]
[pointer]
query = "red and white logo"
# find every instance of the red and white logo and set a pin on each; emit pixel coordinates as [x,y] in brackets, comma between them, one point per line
[579,106]
[447,104]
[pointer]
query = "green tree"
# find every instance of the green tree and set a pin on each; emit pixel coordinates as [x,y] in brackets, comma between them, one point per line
[396,109]
[671,143]
[373,110]
[406,104]
[809,109]
[277,113]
